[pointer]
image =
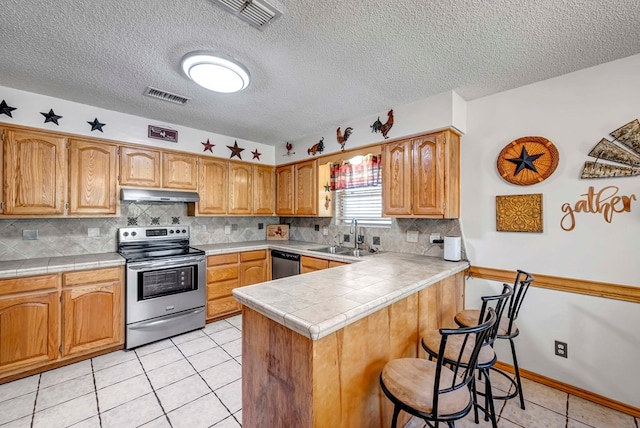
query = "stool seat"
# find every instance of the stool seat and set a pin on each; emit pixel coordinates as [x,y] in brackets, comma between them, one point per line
[411,381]
[469,317]
[486,357]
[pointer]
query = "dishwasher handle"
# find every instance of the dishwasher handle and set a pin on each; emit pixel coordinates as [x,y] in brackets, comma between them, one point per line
[283,255]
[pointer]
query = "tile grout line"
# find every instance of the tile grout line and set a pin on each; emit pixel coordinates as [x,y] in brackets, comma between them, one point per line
[33,414]
[95,391]
[153,390]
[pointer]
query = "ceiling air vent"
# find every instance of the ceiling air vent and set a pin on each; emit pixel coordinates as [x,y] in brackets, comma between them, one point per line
[258,13]
[165,96]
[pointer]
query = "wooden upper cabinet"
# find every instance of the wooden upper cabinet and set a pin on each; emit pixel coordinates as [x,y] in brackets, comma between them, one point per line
[264,189]
[306,188]
[285,190]
[240,191]
[35,173]
[139,167]
[213,186]
[179,171]
[92,177]
[92,310]
[396,178]
[428,176]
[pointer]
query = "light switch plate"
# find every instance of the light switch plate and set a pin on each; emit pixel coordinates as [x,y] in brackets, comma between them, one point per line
[227,230]
[325,231]
[92,232]
[29,235]
[412,235]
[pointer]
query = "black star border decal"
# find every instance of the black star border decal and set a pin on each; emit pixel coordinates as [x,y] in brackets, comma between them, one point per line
[525,161]
[235,150]
[6,109]
[207,146]
[51,117]
[96,125]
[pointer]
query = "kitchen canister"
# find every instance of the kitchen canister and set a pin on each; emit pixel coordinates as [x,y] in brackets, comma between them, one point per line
[452,248]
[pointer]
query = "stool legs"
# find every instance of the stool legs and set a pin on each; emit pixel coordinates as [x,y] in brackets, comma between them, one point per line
[396,412]
[517,370]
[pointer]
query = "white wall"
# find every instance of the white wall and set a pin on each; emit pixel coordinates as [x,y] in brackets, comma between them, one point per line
[119,126]
[573,111]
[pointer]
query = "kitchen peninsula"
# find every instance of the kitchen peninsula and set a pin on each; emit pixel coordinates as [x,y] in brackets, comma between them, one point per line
[314,345]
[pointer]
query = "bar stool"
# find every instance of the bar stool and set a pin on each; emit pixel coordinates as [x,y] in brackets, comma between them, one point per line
[487,357]
[507,328]
[430,390]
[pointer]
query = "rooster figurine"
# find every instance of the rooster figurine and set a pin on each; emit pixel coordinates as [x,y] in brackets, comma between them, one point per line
[289,147]
[383,128]
[342,139]
[316,148]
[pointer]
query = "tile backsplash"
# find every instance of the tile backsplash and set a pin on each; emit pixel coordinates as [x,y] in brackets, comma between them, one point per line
[69,236]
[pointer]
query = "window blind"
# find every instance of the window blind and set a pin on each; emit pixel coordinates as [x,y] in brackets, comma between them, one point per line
[363,204]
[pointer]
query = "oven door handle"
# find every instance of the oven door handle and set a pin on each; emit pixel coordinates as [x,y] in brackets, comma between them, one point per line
[165,319]
[164,263]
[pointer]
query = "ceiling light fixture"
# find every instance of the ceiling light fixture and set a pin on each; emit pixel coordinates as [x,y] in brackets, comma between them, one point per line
[216,72]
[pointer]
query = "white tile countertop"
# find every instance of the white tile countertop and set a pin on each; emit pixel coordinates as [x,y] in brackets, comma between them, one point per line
[44,265]
[318,303]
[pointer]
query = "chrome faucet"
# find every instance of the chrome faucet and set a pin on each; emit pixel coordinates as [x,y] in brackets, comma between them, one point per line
[354,230]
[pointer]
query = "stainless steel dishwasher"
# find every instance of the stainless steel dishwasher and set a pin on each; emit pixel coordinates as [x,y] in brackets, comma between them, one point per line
[284,264]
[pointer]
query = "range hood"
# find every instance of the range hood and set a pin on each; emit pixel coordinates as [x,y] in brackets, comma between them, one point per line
[152,195]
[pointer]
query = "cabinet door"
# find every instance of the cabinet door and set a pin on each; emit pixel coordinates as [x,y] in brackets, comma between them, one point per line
[92,178]
[212,187]
[311,264]
[284,190]
[306,194]
[92,312]
[28,330]
[240,191]
[253,267]
[428,176]
[179,171]
[35,173]
[264,189]
[396,179]
[139,168]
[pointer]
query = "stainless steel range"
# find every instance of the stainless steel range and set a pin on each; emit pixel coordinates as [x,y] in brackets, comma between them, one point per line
[165,283]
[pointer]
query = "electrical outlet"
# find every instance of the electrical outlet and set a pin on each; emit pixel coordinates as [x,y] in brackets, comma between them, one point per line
[346,238]
[434,237]
[412,236]
[30,235]
[260,226]
[325,231]
[92,232]
[376,240]
[316,227]
[561,349]
[234,227]
[227,230]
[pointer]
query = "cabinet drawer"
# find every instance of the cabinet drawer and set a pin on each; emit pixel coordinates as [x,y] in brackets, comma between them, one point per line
[313,263]
[333,263]
[222,306]
[222,259]
[91,277]
[222,273]
[20,285]
[253,255]
[216,290]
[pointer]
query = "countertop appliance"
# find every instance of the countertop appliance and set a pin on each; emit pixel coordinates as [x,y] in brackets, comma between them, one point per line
[165,283]
[284,264]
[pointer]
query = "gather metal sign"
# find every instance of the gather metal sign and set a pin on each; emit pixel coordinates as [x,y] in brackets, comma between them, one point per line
[606,202]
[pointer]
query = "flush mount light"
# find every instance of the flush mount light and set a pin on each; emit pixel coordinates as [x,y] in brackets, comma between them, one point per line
[215,72]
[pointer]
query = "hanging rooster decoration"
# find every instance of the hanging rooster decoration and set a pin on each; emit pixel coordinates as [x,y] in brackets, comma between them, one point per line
[289,147]
[383,128]
[342,139]
[316,148]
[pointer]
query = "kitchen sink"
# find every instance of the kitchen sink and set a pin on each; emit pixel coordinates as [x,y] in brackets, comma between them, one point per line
[344,251]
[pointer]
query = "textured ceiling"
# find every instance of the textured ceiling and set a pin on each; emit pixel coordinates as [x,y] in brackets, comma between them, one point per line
[320,64]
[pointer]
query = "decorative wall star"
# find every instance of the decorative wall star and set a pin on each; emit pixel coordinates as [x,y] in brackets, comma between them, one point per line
[208,146]
[327,187]
[5,109]
[256,154]
[96,125]
[235,150]
[525,161]
[51,117]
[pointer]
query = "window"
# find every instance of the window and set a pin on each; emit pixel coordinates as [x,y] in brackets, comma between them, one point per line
[361,203]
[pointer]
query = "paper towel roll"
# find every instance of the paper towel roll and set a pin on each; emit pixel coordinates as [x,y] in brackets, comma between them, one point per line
[452,248]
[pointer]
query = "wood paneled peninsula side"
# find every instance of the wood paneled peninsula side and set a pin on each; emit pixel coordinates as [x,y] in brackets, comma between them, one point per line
[313,345]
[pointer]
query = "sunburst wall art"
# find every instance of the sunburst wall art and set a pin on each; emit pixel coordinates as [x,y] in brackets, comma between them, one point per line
[519,213]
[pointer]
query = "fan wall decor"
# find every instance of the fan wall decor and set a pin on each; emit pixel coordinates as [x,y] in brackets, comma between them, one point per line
[528,160]
[519,213]
[624,151]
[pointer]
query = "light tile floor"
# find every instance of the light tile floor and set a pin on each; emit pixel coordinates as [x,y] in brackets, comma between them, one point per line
[194,380]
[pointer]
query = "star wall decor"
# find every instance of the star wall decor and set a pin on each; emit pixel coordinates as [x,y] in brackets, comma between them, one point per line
[327,187]
[235,150]
[207,146]
[5,109]
[96,125]
[528,160]
[524,161]
[51,117]
[256,154]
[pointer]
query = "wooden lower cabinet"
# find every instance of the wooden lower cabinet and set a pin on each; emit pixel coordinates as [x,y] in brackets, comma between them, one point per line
[92,310]
[312,264]
[253,267]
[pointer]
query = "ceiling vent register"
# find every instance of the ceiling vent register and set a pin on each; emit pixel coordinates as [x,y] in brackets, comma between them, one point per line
[165,96]
[258,13]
